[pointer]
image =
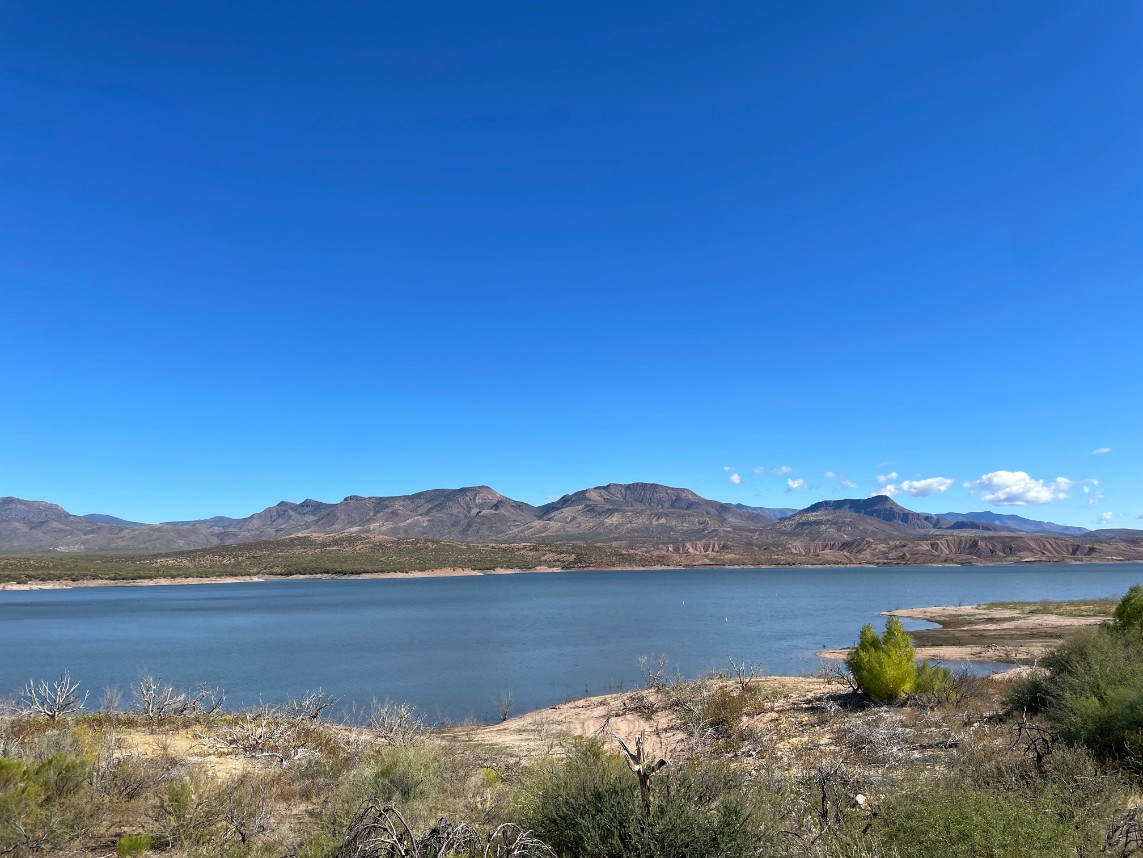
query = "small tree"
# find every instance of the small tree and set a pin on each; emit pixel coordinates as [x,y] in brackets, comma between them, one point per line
[884,666]
[1129,611]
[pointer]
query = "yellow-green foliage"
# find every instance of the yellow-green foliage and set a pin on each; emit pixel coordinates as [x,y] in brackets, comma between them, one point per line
[130,845]
[1129,611]
[42,804]
[934,681]
[884,666]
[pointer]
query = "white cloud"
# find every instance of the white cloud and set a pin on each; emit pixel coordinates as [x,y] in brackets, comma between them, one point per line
[1094,498]
[1099,451]
[1017,488]
[919,488]
[829,474]
[758,469]
[886,478]
[728,468]
[794,485]
[849,484]
[736,479]
[782,471]
[1105,517]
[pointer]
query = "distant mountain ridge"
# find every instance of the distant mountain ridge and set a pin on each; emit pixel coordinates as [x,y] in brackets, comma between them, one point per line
[1015,522]
[631,514]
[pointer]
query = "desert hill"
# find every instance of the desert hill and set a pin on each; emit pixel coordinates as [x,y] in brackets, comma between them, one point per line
[642,516]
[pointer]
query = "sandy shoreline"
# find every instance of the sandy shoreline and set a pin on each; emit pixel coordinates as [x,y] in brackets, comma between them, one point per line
[446,572]
[977,633]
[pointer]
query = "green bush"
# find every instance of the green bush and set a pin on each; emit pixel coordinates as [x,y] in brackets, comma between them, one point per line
[934,682]
[884,667]
[589,805]
[1129,612]
[953,816]
[1092,692]
[42,804]
[133,844]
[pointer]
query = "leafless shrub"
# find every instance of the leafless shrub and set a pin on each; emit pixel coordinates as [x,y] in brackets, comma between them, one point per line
[836,673]
[245,807]
[263,733]
[657,673]
[310,706]
[511,841]
[1035,741]
[396,724]
[111,700]
[1125,833]
[126,776]
[52,700]
[880,738]
[744,673]
[504,702]
[380,831]
[156,701]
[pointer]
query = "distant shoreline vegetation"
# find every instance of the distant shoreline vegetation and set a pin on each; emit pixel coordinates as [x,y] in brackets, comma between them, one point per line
[355,555]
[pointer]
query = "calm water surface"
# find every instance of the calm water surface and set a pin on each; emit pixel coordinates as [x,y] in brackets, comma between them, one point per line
[450,645]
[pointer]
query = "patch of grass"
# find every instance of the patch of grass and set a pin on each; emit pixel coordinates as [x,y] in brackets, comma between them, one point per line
[1065,608]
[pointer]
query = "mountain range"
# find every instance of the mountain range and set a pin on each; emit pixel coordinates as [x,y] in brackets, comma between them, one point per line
[636,515]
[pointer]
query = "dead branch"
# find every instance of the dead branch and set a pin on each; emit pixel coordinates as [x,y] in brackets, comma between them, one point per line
[52,700]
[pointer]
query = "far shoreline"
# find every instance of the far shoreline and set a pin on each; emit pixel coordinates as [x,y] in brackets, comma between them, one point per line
[456,572]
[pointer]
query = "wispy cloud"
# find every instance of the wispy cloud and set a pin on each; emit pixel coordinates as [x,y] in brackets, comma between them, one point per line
[736,479]
[759,469]
[728,468]
[783,470]
[829,475]
[848,484]
[1017,488]
[887,478]
[1099,451]
[795,485]
[1105,517]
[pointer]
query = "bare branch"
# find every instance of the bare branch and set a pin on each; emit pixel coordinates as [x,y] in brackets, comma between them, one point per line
[52,700]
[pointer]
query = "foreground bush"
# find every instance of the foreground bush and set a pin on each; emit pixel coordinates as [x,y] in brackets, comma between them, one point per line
[589,805]
[1093,689]
[1003,817]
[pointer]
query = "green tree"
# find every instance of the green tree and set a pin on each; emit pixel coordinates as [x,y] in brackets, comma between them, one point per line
[1129,611]
[884,667]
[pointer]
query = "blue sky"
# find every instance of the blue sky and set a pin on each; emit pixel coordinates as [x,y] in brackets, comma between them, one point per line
[253,252]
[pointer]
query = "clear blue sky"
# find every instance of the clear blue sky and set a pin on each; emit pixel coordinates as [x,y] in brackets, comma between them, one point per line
[263,251]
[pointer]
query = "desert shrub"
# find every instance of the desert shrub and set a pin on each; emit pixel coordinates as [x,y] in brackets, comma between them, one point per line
[1092,691]
[590,805]
[953,816]
[42,804]
[1129,612]
[133,844]
[933,680]
[883,665]
[724,708]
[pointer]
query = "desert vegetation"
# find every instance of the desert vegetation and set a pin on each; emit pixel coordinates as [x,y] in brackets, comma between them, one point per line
[735,764]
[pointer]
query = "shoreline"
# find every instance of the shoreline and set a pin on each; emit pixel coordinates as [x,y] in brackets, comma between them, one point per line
[981,634]
[455,572]
[444,572]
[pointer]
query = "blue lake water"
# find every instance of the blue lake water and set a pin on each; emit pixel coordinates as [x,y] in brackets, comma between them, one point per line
[451,645]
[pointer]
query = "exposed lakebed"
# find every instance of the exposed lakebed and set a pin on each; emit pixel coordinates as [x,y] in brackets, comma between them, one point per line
[452,645]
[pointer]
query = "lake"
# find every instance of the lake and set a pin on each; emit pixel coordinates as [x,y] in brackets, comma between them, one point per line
[452,645]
